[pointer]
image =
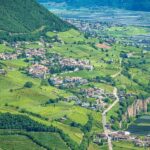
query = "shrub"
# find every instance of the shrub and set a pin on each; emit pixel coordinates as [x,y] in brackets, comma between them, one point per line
[28,85]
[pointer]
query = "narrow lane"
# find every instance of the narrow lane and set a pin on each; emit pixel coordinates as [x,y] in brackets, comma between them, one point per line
[118,73]
[104,121]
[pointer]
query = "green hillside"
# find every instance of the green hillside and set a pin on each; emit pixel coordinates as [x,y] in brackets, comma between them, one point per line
[45,105]
[46,101]
[19,16]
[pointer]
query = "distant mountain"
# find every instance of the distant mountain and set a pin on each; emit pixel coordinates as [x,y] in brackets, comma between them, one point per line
[25,16]
[139,5]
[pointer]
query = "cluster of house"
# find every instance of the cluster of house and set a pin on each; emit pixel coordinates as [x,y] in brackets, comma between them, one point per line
[38,71]
[123,95]
[124,136]
[93,93]
[98,94]
[87,25]
[91,28]
[93,106]
[40,52]
[64,63]
[8,56]
[67,81]
[141,41]
[29,53]
[75,64]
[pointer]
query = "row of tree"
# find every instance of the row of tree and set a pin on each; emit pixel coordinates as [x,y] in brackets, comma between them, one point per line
[21,122]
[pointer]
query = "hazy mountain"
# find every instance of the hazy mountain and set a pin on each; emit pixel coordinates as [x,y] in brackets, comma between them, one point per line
[143,5]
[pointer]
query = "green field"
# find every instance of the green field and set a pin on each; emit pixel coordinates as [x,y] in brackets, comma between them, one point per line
[126,146]
[93,146]
[141,126]
[4,48]
[127,31]
[51,140]
[32,102]
[17,142]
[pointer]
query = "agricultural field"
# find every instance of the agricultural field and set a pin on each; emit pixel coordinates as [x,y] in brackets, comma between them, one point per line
[93,146]
[17,99]
[126,146]
[11,142]
[127,31]
[34,45]
[51,140]
[113,112]
[48,104]
[31,140]
[141,125]
[4,48]
[68,83]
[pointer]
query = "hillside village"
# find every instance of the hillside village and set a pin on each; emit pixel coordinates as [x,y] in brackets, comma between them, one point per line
[69,86]
[92,30]
[75,80]
[40,67]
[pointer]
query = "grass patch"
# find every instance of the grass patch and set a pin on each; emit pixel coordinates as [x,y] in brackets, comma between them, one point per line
[17,142]
[51,140]
[125,146]
[4,49]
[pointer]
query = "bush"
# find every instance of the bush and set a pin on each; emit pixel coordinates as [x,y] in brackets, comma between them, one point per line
[28,85]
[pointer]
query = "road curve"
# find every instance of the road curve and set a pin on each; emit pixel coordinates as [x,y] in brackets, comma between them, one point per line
[104,122]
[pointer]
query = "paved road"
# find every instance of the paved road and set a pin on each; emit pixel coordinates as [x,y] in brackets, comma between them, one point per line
[115,92]
[106,130]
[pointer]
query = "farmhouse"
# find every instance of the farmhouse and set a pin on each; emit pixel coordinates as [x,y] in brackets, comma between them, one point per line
[101,136]
[72,98]
[56,81]
[67,81]
[44,62]
[119,136]
[2,71]
[77,80]
[2,56]
[74,64]
[35,52]
[100,103]
[38,71]
[85,104]
[123,136]
[9,56]
[92,92]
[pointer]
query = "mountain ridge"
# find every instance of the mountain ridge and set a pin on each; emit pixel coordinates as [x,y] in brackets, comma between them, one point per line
[27,16]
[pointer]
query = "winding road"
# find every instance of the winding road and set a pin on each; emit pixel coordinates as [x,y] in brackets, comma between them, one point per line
[104,121]
[106,130]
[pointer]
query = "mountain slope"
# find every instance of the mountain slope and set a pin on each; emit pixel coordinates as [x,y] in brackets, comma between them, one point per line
[26,16]
[143,5]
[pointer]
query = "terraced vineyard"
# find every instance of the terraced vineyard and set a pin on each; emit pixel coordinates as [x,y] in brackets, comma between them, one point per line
[141,126]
